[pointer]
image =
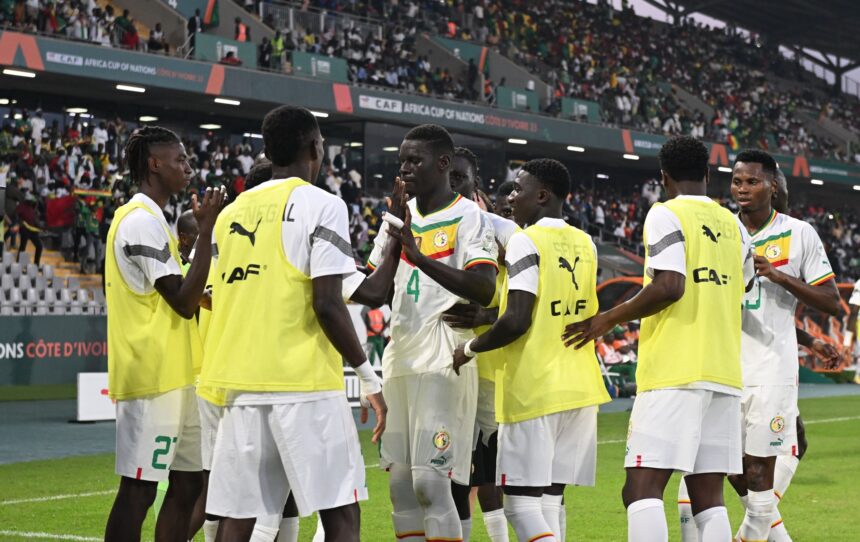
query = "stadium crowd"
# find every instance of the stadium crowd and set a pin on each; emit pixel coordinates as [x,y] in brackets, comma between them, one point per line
[635,85]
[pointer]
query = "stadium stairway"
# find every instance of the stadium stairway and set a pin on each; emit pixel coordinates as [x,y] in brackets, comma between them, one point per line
[147,13]
[55,287]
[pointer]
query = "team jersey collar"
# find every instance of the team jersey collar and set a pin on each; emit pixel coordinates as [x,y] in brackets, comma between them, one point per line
[445,207]
[767,223]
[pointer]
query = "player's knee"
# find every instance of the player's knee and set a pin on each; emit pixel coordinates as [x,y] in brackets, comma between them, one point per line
[186,485]
[738,482]
[430,486]
[138,493]
[400,488]
[759,475]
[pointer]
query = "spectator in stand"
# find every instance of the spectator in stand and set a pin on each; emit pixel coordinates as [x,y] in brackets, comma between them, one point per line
[231,59]
[28,219]
[195,25]
[242,32]
[264,54]
[157,41]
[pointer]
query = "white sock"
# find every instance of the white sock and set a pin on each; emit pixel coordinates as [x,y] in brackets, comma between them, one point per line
[689,532]
[497,525]
[778,532]
[562,522]
[760,508]
[289,530]
[786,466]
[550,506]
[210,530]
[744,500]
[646,521]
[319,535]
[526,515]
[466,527]
[263,533]
[713,525]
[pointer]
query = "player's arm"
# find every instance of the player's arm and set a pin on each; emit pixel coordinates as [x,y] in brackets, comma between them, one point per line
[512,325]
[478,283]
[666,289]
[183,294]
[330,259]
[823,297]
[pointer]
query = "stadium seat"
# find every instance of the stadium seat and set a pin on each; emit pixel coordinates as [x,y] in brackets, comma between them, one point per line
[15,271]
[24,259]
[6,310]
[8,258]
[6,282]
[50,296]
[40,284]
[65,297]
[48,272]
[32,270]
[83,296]
[15,297]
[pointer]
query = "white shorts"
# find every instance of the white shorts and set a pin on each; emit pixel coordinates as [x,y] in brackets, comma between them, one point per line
[769,420]
[431,421]
[688,430]
[485,416]
[157,434]
[210,416]
[263,452]
[559,448]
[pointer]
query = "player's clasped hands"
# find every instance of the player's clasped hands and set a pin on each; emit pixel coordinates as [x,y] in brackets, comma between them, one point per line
[207,211]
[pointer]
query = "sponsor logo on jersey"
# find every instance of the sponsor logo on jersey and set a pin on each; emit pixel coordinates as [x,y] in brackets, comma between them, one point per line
[241,273]
[235,227]
[775,248]
[705,274]
[442,440]
[707,232]
[777,424]
[439,461]
[440,239]
[772,252]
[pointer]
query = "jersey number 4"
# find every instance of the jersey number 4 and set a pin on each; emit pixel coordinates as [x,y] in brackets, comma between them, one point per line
[412,287]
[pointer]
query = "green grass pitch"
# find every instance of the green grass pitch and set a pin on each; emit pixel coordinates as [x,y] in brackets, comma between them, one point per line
[819,506]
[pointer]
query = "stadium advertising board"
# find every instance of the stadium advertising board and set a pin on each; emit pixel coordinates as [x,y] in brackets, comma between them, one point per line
[323,67]
[51,349]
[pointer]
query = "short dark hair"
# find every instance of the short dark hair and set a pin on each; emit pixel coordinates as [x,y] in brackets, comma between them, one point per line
[260,172]
[286,130]
[758,157]
[684,158]
[137,148]
[439,138]
[468,155]
[550,172]
[505,189]
[185,222]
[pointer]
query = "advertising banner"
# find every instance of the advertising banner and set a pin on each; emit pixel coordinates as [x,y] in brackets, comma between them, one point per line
[51,349]
[517,99]
[323,67]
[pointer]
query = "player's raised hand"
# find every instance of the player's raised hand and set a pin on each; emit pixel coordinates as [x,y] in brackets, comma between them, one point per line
[207,211]
[467,316]
[460,358]
[397,201]
[579,334]
[763,268]
[404,235]
[377,402]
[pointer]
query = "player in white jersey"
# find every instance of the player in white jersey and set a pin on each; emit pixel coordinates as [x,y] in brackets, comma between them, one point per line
[464,181]
[852,330]
[791,265]
[428,440]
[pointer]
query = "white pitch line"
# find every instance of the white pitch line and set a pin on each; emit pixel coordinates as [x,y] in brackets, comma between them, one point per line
[610,441]
[58,497]
[831,420]
[49,536]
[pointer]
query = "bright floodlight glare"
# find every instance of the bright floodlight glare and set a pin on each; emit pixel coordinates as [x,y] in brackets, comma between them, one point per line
[131,88]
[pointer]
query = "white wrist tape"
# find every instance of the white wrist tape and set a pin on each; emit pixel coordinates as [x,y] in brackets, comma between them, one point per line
[467,349]
[392,220]
[848,340]
[369,382]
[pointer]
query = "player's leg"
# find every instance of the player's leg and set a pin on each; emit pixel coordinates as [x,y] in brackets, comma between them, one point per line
[321,456]
[718,453]
[771,431]
[460,494]
[198,514]
[186,475]
[489,494]
[664,436]
[443,412]
[689,533]
[786,466]
[147,431]
[407,515]
[289,527]
[210,415]
[129,509]
[248,478]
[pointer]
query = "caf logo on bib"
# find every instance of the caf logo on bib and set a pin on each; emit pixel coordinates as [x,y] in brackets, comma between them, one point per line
[441,440]
[777,424]
[440,239]
[772,252]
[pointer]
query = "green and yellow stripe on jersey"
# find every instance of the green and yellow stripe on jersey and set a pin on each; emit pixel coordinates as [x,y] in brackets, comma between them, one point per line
[822,279]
